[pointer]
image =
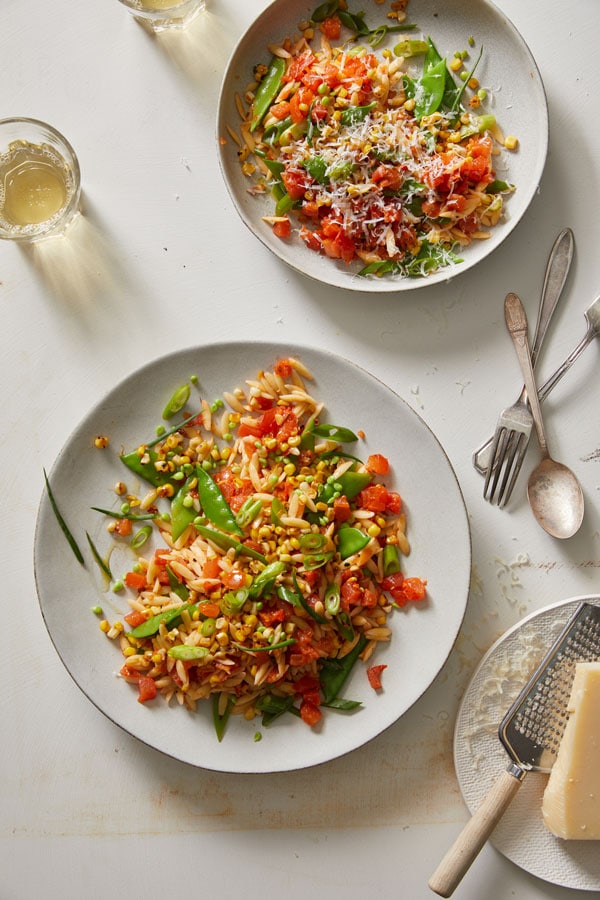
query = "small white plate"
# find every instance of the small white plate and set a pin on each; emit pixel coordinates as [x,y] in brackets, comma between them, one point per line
[507,69]
[84,476]
[480,758]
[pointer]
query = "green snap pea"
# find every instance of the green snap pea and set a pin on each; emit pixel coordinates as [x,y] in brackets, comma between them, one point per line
[213,503]
[335,433]
[276,510]
[227,542]
[263,583]
[267,90]
[355,114]
[272,706]
[151,625]
[182,513]
[177,401]
[351,540]
[220,719]
[187,652]
[334,672]
[176,585]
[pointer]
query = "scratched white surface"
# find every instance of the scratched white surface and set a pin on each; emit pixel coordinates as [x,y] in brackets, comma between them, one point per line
[161,257]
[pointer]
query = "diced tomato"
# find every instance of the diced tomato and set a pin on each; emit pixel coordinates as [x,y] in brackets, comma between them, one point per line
[235,490]
[351,593]
[283,228]
[280,110]
[308,688]
[303,651]
[331,27]
[393,584]
[211,568]
[300,104]
[123,527]
[311,239]
[414,588]
[262,402]
[310,713]
[312,577]
[299,66]
[296,183]
[310,209]
[335,242]
[283,368]
[270,617]
[147,689]
[374,676]
[373,498]
[233,579]
[129,674]
[135,618]
[393,503]
[289,426]
[209,610]
[341,509]
[369,598]
[378,464]
[389,177]
[135,580]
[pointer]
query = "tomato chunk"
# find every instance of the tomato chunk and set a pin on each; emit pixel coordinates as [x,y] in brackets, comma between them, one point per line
[310,713]
[135,580]
[147,689]
[374,676]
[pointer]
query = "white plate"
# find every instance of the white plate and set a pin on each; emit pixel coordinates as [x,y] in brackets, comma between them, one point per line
[507,68]
[84,476]
[480,758]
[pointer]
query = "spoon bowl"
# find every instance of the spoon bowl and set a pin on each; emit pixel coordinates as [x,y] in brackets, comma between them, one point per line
[554,493]
[556,498]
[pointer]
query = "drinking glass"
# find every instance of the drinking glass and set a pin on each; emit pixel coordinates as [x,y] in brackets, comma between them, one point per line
[40,181]
[160,15]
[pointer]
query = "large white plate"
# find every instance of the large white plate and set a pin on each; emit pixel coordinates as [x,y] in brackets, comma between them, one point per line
[84,476]
[480,758]
[507,68]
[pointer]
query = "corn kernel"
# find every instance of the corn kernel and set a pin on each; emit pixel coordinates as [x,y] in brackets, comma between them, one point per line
[456,64]
[289,468]
[129,651]
[409,105]
[373,530]
[473,83]
[511,142]
[105,626]
[101,442]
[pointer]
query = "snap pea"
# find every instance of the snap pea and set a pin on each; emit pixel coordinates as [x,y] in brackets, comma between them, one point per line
[272,706]
[146,470]
[176,585]
[335,433]
[276,510]
[317,167]
[284,204]
[182,511]
[63,525]
[263,583]
[187,652]
[497,187]
[177,401]
[151,625]
[355,114]
[334,672]
[325,10]
[340,703]
[344,623]
[267,90]
[351,540]
[227,542]
[339,171]
[431,88]
[213,503]
[220,719]
[410,47]
[273,132]
[391,559]
[349,483]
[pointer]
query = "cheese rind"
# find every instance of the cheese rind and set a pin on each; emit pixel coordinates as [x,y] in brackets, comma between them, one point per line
[571,803]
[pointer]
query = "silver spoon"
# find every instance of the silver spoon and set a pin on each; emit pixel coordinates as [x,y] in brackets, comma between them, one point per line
[554,493]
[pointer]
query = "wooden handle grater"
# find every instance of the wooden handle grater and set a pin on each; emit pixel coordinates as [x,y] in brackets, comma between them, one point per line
[531,733]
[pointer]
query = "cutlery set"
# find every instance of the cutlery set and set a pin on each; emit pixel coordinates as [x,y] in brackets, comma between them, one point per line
[554,493]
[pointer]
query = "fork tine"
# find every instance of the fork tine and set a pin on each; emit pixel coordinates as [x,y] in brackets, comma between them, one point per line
[495,464]
[515,467]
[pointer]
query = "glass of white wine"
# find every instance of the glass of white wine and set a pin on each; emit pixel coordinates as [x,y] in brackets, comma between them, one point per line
[160,15]
[40,181]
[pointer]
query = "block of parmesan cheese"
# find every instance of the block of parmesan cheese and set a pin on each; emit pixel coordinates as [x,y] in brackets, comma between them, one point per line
[571,803]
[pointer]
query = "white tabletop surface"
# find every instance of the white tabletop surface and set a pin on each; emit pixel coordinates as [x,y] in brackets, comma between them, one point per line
[161,261]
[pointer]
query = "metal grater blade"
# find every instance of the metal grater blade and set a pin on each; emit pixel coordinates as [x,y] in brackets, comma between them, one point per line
[532,728]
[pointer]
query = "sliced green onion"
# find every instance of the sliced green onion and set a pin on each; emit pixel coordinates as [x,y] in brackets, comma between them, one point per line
[63,525]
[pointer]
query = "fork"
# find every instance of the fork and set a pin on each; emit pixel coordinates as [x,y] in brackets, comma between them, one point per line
[557,269]
[513,429]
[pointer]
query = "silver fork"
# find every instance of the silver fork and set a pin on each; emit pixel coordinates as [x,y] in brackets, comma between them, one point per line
[557,269]
[513,431]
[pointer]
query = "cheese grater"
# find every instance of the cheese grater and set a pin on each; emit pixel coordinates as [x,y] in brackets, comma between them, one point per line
[531,732]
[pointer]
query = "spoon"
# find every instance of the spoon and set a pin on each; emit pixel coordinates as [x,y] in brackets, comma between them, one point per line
[554,493]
